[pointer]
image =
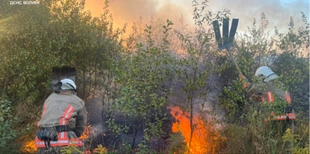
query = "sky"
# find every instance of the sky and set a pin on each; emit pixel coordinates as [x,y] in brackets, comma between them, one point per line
[278,12]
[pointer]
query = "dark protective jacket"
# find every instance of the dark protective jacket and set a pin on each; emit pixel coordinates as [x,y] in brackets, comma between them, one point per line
[268,92]
[64,109]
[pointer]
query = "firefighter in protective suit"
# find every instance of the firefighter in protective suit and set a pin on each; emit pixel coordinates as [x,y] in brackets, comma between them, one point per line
[267,89]
[63,120]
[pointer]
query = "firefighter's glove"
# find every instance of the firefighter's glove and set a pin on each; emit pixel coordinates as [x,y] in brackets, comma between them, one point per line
[242,77]
[256,98]
[243,80]
[72,123]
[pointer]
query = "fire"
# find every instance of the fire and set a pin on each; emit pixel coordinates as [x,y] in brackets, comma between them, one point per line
[85,133]
[29,147]
[205,138]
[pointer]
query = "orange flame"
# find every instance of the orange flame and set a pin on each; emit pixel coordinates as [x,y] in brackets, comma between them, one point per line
[204,138]
[85,133]
[29,147]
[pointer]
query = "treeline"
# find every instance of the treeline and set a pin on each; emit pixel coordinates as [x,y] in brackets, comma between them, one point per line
[138,76]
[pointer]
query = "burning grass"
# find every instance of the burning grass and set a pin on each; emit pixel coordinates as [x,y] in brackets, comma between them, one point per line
[29,148]
[204,139]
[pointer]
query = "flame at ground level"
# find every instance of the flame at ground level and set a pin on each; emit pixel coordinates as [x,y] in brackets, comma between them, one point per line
[29,147]
[205,139]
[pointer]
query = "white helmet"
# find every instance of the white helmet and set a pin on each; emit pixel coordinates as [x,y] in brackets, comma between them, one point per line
[265,73]
[67,84]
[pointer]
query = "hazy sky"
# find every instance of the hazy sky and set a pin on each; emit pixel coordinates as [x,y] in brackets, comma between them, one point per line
[278,12]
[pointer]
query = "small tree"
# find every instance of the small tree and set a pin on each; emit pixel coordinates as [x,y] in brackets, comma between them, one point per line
[141,74]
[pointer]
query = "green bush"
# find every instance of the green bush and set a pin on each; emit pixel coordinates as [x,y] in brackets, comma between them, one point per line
[7,132]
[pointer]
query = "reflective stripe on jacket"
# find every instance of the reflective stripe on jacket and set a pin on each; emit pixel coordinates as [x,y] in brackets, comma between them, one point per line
[270,97]
[60,142]
[268,91]
[58,109]
[290,116]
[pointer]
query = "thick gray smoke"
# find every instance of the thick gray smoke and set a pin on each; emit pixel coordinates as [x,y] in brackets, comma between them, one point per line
[278,12]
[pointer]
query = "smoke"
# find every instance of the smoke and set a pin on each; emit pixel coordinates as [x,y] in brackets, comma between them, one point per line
[278,12]
[133,11]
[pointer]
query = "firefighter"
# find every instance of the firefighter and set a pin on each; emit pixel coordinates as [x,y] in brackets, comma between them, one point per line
[268,89]
[62,121]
